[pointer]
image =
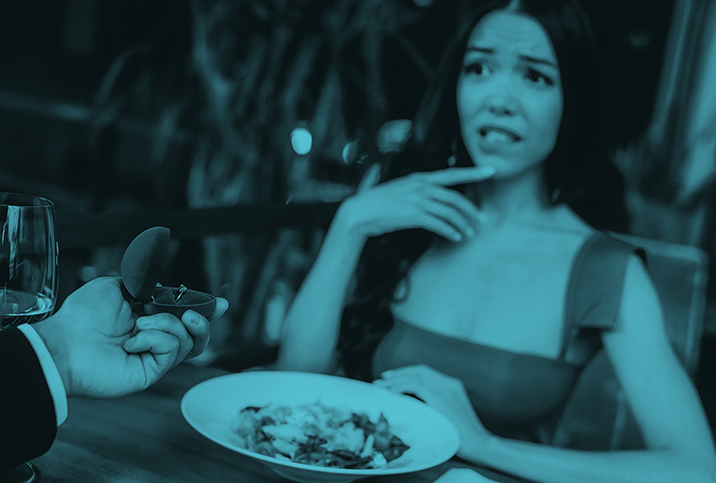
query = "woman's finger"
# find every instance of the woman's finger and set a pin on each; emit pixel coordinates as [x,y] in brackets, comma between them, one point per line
[404,387]
[370,178]
[171,325]
[439,226]
[414,370]
[453,176]
[450,215]
[463,475]
[402,379]
[459,201]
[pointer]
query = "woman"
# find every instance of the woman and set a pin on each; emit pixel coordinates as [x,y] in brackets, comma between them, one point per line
[485,302]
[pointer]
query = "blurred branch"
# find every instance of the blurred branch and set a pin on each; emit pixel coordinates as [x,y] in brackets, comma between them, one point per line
[78,113]
[422,64]
[77,230]
[265,68]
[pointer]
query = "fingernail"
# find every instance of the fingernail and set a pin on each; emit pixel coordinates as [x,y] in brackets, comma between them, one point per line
[488,170]
[469,231]
[192,317]
[457,237]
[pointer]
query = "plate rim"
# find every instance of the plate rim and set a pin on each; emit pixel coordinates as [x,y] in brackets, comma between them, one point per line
[301,466]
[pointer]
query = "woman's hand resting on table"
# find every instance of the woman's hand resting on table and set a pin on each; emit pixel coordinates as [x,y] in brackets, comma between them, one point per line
[445,394]
[462,475]
[100,353]
[418,200]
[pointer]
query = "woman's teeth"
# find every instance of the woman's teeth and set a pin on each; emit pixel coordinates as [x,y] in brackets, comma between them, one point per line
[498,137]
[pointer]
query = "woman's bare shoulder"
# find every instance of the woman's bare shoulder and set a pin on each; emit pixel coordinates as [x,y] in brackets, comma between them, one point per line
[560,225]
[565,218]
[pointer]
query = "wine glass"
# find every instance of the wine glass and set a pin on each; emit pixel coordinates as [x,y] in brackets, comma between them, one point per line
[28,274]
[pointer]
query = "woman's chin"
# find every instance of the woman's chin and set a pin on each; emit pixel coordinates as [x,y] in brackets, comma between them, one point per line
[511,170]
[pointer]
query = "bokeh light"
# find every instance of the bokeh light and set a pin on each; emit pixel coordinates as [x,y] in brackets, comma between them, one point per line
[392,135]
[351,152]
[301,140]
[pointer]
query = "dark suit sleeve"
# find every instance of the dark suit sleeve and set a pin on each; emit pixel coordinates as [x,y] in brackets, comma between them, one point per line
[27,414]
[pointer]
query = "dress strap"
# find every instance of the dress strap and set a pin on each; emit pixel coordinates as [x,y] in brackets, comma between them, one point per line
[595,285]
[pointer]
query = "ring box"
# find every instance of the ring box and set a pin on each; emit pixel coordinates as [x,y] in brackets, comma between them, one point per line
[140,269]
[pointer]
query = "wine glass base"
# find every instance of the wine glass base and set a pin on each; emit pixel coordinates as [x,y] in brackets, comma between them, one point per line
[24,473]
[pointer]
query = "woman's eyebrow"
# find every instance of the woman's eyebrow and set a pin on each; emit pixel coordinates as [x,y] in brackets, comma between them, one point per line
[528,58]
[474,48]
[538,60]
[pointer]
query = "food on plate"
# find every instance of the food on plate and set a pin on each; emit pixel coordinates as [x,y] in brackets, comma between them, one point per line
[318,435]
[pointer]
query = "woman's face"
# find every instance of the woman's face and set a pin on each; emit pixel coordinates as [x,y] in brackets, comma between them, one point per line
[509,96]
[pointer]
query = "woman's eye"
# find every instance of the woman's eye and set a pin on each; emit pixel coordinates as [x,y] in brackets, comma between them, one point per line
[536,77]
[474,68]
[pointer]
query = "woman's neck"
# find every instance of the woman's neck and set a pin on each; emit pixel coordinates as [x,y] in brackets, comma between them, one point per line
[519,199]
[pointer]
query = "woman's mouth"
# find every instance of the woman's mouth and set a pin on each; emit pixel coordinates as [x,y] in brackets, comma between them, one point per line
[497,135]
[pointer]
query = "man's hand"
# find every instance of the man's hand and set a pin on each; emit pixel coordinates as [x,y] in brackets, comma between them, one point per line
[102,350]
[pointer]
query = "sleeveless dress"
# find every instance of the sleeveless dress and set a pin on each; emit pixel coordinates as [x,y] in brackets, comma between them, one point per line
[521,396]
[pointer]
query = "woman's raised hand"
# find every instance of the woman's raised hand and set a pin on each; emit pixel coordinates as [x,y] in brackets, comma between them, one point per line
[419,200]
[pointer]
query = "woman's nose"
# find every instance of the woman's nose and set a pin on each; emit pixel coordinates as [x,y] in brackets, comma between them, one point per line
[502,100]
[502,103]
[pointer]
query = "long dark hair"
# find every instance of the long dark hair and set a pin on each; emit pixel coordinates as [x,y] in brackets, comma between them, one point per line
[578,172]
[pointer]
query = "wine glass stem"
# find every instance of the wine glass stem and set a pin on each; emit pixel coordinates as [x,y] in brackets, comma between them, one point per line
[24,473]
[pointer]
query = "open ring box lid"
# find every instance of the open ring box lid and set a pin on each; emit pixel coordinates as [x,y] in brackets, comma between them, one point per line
[140,269]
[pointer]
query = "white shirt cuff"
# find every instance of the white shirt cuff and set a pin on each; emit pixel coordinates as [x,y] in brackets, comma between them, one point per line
[49,368]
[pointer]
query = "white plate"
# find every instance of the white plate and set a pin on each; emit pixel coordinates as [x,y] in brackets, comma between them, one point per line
[212,407]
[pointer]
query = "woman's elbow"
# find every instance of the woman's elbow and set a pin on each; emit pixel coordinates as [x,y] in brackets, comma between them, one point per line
[301,362]
[701,476]
[699,469]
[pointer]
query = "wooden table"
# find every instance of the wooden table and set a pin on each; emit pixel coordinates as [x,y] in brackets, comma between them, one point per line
[143,438]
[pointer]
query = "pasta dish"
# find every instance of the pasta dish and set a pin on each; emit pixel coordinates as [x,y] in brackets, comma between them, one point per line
[318,435]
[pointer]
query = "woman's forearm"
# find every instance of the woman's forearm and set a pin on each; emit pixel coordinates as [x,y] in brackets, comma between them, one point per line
[312,323]
[549,464]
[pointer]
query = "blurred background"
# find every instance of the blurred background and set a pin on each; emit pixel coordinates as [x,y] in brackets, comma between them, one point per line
[239,125]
